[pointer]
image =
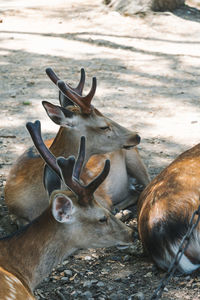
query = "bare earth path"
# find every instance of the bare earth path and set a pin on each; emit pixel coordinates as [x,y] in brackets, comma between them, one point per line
[148,72]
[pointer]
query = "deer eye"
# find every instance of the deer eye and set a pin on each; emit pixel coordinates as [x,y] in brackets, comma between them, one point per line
[103,220]
[105,128]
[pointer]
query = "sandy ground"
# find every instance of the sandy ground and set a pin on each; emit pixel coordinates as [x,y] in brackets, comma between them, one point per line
[148,71]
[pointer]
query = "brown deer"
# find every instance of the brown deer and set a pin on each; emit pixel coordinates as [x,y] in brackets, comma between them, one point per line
[165,208]
[103,135]
[72,221]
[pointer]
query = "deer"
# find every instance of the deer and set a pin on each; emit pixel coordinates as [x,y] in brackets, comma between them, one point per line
[73,220]
[165,208]
[105,140]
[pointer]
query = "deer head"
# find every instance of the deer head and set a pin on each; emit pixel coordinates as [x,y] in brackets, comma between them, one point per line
[79,207]
[103,135]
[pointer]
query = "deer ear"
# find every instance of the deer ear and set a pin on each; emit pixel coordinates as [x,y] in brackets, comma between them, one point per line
[51,180]
[57,114]
[63,209]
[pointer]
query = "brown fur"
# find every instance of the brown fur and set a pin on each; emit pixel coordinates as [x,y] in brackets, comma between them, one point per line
[174,192]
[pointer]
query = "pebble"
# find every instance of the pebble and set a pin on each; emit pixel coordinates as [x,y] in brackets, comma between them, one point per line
[68,273]
[87,257]
[87,294]
[124,215]
[100,284]
[118,279]
[65,278]
[126,258]
[87,284]
[117,296]
[137,296]
[149,274]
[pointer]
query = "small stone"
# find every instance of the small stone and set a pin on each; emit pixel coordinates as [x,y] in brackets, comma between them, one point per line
[68,273]
[125,280]
[60,269]
[65,278]
[87,257]
[65,262]
[115,258]
[100,284]
[94,281]
[124,215]
[137,296]
[118,279]
[113,296]
[126,258]
[87,284]
[149,274]
[87,294]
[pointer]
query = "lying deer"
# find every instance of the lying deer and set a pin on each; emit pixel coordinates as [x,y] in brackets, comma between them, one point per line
[24,192]
[72,221]
[165,208]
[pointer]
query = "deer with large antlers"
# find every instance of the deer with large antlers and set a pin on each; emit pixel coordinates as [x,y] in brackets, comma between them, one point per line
[24,192]
[165,208]
[73,220]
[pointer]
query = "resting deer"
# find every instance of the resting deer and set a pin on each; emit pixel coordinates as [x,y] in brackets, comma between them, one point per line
[103,135]
[72,221]
[165,208]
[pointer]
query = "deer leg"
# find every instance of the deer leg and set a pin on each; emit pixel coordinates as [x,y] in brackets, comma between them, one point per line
[128,201]
[135,167]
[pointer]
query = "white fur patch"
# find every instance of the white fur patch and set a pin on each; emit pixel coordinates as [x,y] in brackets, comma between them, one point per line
[185,265]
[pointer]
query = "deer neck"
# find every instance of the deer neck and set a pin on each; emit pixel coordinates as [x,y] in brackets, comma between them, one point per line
[66,143]
[32,254]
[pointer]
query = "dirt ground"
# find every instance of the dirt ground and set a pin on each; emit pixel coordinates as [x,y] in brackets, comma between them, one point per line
[148,71]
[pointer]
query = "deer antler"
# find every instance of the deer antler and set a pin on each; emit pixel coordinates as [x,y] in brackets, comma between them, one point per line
[83,102]
[68,169]
[84,193]
[79,89]
[75,94]
[35,132]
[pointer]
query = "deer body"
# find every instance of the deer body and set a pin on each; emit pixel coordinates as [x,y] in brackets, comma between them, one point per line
[73,220]
[118,184]
[165,208]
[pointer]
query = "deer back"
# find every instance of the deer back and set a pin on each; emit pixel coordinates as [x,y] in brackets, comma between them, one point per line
[165,208]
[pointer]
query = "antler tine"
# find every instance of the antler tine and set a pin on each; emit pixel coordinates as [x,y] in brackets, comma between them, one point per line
[52,75]
[79,89]
[71,170]
[80,160]
[93,185]
[87,99]
[35,132]
[83,102]
[66,169]
[80,86]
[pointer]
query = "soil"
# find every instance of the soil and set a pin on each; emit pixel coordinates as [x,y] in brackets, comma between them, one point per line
[148,71]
